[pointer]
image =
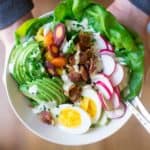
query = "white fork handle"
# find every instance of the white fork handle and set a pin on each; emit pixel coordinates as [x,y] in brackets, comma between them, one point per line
[145,123]
[142,109]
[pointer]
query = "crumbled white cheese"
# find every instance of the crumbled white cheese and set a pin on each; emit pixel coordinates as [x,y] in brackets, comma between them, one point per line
[33,89]
[55,111]
[73,25]
[77,26]
[45,106]
[86,26]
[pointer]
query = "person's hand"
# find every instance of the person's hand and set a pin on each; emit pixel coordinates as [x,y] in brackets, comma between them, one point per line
[130,16]
[7,34]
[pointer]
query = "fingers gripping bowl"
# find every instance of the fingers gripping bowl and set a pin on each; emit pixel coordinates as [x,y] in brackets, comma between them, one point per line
[76,71]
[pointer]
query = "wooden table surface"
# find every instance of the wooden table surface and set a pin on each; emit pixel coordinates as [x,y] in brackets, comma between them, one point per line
[14,136]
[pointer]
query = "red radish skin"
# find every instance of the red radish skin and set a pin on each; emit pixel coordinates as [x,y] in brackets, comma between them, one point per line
[103,78]
[109,64]
[117,75]
[107,105]
[104,90]
[107,52]
[117,113]
[102,100]
[59,34]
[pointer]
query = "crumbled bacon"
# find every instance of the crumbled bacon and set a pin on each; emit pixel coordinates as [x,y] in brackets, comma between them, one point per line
[75,76]
[84,73]
[92,67]
[84,41]
[46,117]
[74,93]
[71,60]
[83,57]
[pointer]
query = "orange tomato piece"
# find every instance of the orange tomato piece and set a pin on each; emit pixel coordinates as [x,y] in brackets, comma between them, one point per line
[53,49]
[48,39]
[59,62]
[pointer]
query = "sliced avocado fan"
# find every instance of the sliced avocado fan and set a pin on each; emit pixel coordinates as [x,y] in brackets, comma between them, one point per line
[44,89]
[26,62]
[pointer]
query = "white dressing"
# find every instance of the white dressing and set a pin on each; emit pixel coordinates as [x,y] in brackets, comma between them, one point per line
[33,89]
[67,82]
[77,60]
[44,106]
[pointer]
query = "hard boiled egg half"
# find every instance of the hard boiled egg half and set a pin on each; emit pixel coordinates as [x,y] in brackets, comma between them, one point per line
[90,103]
[73,119]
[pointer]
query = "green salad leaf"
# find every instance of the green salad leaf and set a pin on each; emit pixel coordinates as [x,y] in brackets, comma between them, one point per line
[30,27]
[79,6]
[69,9]
[63,10]
[104,22]
[22,30]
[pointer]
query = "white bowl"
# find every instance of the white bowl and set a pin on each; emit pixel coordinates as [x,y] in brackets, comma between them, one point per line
[31,121]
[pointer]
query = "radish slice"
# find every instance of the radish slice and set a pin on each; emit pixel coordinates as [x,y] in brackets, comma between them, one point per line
[104,89]
[101,98]
[117,90]
[103,84]
[106,51]
[117,113]
[115,100]
[117,75]
[109,64]
[107,105]
[103,78]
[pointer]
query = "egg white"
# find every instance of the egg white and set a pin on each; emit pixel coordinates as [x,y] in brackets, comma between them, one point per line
[89,92]
[85,120]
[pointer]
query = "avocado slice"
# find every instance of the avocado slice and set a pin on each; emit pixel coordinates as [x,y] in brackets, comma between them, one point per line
[48,90]
[57,80]
[28,63]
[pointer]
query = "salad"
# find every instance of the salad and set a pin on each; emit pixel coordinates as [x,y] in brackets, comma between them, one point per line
[77,66]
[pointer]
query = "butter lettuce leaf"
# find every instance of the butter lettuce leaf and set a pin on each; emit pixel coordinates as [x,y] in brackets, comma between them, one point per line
[70,9]
[104,22]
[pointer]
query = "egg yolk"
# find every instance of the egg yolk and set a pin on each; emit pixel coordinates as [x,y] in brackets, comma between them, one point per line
[69,118]
[89,106]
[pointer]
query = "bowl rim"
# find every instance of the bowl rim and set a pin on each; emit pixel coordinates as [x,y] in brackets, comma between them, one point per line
[26,125]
